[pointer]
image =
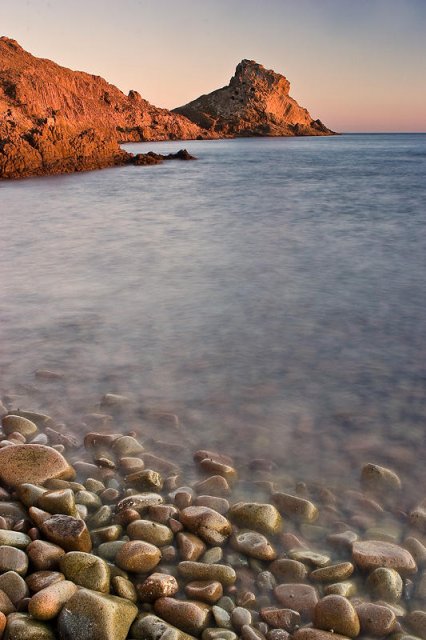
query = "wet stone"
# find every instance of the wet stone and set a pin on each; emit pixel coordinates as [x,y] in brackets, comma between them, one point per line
[212,556]
[385,584]
[42,579]
[137,556]
[299,597]
[210,525]
[287,619]
[157,585]
[44,556]
[312,558]
[333,573]
[239,617]
[253,545]
[32,463]
[222,617]
[380,481]
[47,603]
[89,614]
[12,423]
[376,620]
[191,617]
[86,570]
[124,588]
[14,539]
[248,632]
[145,480]
[151,627]
[221,505]
[21,626]
[12,559]
[190,546]
[372,554]
[61,501]
[214,633]
[345,588]
[308,633]
[108,550]
[68,532]
[295,508]
[199,571]
[336,614]
[209,591]
[139,501]
[6,604]
[215,485]
[416,621]
[152,532]
[264,518]
[287,570]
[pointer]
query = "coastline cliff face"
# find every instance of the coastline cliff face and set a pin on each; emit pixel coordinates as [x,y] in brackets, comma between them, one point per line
[54,120]
[255,103]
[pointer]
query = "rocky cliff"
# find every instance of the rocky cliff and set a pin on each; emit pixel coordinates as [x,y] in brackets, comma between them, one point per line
[54,120]
[255,103]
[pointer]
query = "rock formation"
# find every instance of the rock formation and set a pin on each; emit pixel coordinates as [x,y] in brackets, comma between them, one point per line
[255,103]
[54,120]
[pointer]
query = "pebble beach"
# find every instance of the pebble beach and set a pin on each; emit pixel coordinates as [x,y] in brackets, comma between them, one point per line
[106,535]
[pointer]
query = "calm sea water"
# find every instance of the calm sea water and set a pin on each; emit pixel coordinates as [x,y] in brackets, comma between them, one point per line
[272,294]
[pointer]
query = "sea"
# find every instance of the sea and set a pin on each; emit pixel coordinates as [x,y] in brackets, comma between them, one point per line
[268,299]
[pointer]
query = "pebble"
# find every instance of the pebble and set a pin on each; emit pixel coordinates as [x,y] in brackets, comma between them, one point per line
[29,493]
[333,573]
[248,632]
[385,584]
[417,550]
[60,501]
[287,619]
[189,616]
[68,532]
[210,525]
[209,591]
[376,620]
[221,505]
[89,615]
[239,617]
[345,588]
[21,626]
[86,570]
[139,501]
[150,627]
[190,546]
[44,556]
[212,556]
[380,481]
[6,604]
[199,571]
[47,603]
[12,423]
[14,539]
[287,570]
[416,621]
[337,615]
[215,486]
[213,633]
[138,556]
[34,463]
[253,545]
[372,554]
[295,508]
[124,588]
[152,532]
[42,579]
[145,480]
[12,559]
[417,518]
[307,633]
[307,556]
[222,617]
[264,518]
[157,585]
[299,597]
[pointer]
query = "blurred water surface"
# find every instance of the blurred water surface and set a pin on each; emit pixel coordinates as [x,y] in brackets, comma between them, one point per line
[271,293]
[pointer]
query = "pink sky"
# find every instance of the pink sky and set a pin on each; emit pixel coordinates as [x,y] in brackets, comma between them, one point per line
[357,65]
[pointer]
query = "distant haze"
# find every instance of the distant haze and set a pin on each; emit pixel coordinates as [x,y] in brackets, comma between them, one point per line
[358,65]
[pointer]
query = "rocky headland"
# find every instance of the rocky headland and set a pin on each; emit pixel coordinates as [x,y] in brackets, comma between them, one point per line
[55,120]
[255,103]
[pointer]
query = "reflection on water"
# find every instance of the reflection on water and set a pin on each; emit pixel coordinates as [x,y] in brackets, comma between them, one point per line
[271,295]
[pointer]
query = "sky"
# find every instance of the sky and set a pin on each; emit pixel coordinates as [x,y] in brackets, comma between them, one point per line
[358,65]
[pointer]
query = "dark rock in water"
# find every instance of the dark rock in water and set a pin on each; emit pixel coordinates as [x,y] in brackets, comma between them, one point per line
[142,159]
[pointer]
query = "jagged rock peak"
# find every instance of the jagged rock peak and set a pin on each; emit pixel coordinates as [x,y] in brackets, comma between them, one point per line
[256,102]
[249,72]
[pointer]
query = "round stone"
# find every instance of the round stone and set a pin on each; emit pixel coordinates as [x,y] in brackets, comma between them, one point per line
[152,532]
[137,556]
[44,555]
[33,463]
[385,584]
[47,603]
[191,617]
[376,620]
[253,544]
[210,525]
[264,518]
[333,573]
[295,508]
[18,424]
[86,570]
[372,554]
[209,591]
[68,532]
[336,614]
[12,559]
[200,571]
[299,597]
[157,585]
